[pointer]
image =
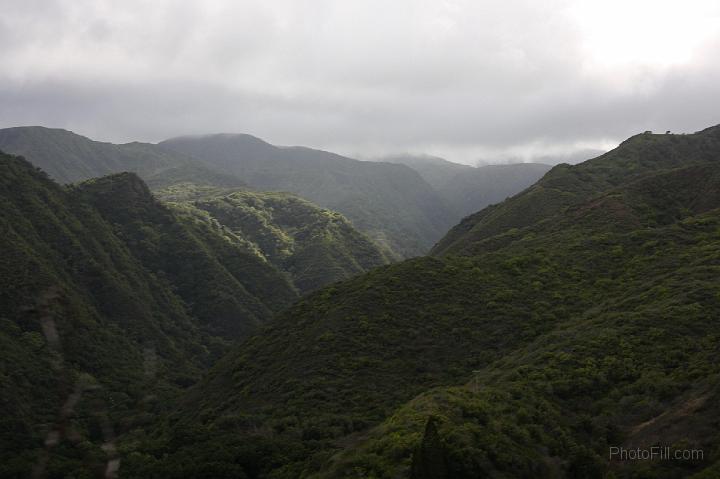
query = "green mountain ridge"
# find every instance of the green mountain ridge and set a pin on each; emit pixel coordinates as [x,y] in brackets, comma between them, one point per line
[637,368]
[94,263]
[125,279]
[220,277]
[314,246]
[578,315]
[317,260]
[68,158]
[566,185]
[390,203]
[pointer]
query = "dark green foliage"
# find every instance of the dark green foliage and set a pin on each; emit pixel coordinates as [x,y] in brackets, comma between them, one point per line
[142,301]
[578,315]
[582,314]
[314,246]
[428,460]
[390,203]
[222,279]
[638,158]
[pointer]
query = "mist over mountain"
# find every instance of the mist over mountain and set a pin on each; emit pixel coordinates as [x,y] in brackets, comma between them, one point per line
[566,186]
[389,202]
[68,157]
[467,189]
[435,170]
[572,158]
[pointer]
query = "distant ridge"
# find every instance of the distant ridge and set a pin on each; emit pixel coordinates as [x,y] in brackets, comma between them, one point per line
[564,186]
[389,202]
[68,157]
[467,189]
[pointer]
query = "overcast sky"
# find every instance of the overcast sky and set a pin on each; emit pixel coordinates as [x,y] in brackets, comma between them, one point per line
[463,79]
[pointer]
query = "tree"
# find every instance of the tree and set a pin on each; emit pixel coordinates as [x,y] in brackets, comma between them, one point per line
[428,461]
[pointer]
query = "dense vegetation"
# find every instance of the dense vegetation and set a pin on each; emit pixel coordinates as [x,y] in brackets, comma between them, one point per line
[391,203]
[565,186]
[578,315]
[217,273]
[314,246]
[98,314]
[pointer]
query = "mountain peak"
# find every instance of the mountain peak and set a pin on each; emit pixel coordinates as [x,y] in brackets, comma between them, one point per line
[124,189]
[34,130]
[244,139]
[712,130]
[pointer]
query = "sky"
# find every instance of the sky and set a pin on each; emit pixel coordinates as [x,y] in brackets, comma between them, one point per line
[467,80]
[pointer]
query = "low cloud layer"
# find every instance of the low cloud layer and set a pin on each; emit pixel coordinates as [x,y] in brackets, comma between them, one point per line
[462,79]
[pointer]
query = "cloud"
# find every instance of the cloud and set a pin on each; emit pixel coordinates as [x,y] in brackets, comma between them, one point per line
[462,79]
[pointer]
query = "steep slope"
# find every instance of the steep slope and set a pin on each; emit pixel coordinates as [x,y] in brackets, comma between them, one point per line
[585,323]
[218,274]
[636,367]
[391,203]
[68,157]
[565,185]
[467,189]
[96,314]
[314,246]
